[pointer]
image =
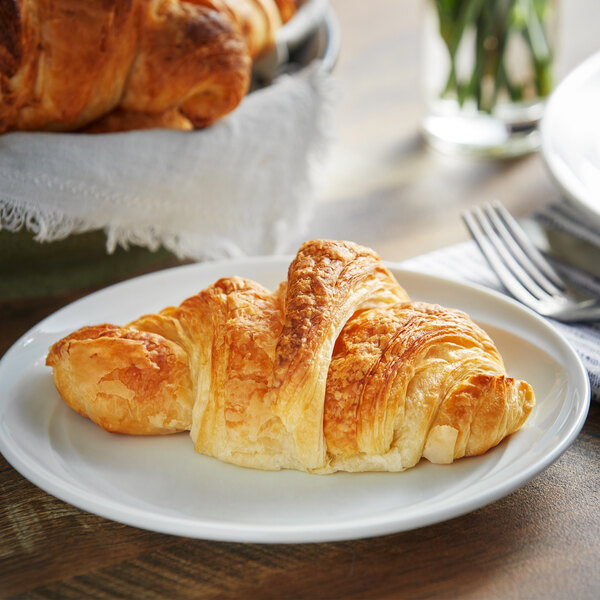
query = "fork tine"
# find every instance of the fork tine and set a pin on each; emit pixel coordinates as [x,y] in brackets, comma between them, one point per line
[527,246]
[509,281]
[560,305]
[506,256]
[513,236]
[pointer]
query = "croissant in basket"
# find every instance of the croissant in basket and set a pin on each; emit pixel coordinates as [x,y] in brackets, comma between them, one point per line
[113,65]
[335,370]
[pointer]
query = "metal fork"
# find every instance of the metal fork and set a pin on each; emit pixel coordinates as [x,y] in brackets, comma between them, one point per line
[523,270]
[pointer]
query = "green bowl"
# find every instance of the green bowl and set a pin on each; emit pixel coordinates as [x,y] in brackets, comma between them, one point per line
[32,269]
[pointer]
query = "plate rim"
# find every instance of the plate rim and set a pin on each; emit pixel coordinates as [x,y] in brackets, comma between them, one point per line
[363,527]
[560,173]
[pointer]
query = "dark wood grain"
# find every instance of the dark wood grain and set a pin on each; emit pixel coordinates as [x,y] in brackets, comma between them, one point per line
[387,191]
[543,537]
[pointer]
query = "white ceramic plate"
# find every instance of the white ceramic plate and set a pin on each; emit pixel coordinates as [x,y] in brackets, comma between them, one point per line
[570,132]
[161,484]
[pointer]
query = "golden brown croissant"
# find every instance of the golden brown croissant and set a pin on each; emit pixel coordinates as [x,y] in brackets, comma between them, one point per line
[335,370]
[287,8]
[65,64]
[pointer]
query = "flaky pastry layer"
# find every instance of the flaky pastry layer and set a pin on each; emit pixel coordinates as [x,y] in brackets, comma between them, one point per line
[335,370]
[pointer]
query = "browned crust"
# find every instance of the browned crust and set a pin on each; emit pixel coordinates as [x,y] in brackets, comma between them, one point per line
[320,279]
[375,359]
[11,45]
[124,120]
[484,409]
[189,56]
[124,380]
[287,8]
[65,64]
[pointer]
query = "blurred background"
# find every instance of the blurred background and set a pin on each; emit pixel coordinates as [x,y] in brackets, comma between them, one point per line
[385,188]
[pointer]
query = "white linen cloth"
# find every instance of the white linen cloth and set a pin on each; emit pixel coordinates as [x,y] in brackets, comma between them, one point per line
[242,186]
[465,262]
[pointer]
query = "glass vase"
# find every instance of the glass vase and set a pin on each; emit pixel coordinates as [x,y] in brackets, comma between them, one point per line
[488,69]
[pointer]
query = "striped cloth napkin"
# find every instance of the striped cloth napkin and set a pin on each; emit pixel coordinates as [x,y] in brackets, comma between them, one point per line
[465,262]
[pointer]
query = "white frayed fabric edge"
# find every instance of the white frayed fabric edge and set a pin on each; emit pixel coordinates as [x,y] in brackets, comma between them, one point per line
[244,186]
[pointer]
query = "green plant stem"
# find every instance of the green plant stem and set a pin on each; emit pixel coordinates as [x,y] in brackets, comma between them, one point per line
[535,35]
[501,77]
[493,22]
[455,25]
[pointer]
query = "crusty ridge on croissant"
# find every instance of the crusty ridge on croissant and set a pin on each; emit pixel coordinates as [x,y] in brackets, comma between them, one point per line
[127,64]
[335,370]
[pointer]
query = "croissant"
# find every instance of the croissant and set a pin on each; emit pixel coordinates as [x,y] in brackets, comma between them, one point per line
[335,370]
[114,65]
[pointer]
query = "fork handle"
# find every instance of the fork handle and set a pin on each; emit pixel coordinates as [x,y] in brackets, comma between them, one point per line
[590,312]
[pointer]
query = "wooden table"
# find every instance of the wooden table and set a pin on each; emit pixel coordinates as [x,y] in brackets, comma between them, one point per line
[387,191]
